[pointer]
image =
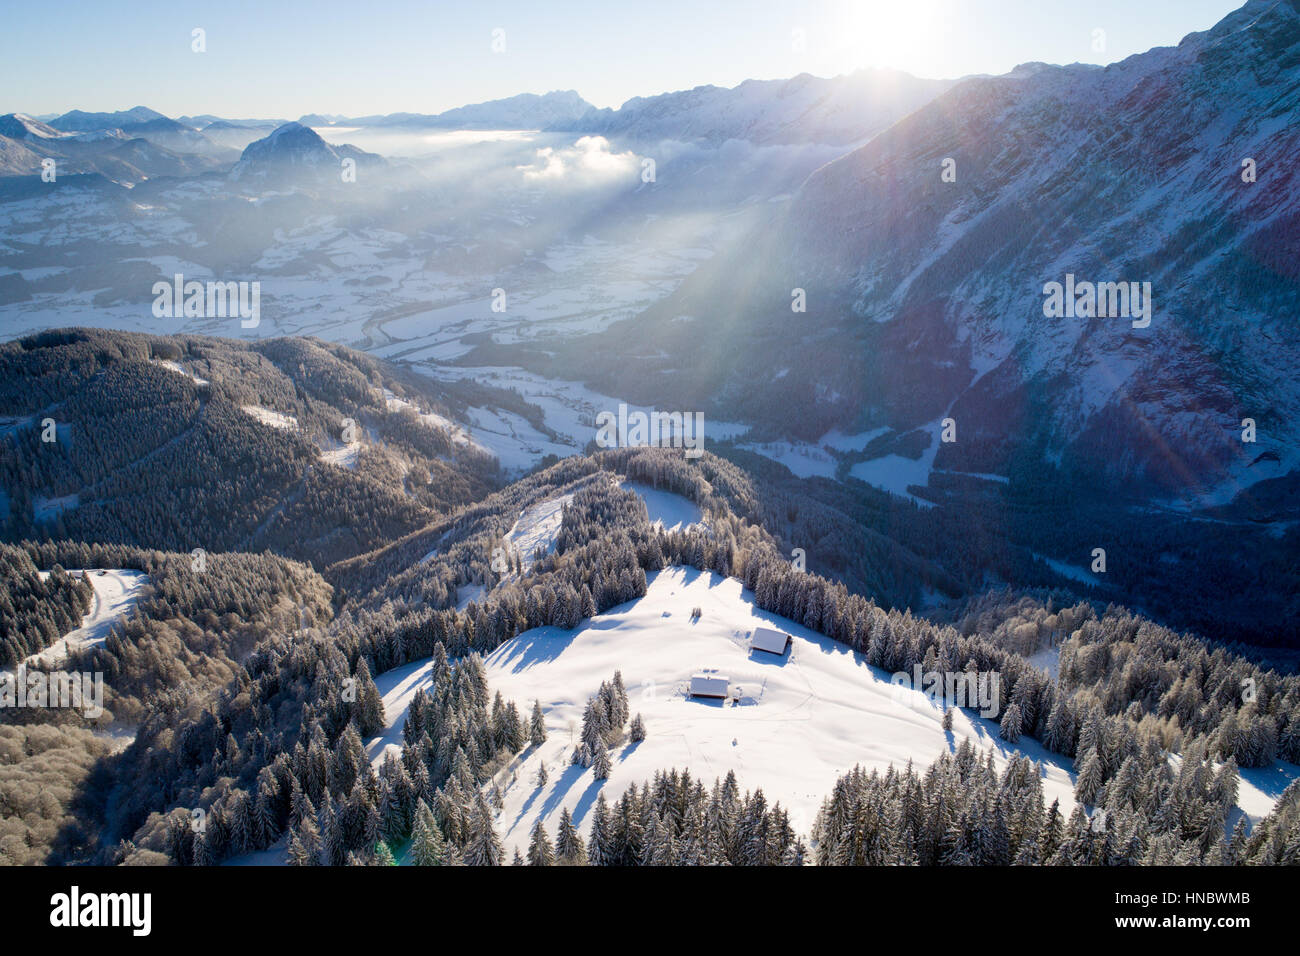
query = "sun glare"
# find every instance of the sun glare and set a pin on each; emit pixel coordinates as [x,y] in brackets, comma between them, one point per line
[887,33]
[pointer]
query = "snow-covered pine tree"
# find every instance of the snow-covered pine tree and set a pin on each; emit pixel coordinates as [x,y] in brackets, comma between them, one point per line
[427,847]
[1010,728]
[540,852]
[484,846]
[600,846]
[600,765]
[569,848]
[537,725]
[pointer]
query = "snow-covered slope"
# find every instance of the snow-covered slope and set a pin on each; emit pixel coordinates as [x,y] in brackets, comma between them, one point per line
[537,527]
[925,294]
[1132,172]
[22,126]
[669,511]
[801,721]
[79,121]
[116,592]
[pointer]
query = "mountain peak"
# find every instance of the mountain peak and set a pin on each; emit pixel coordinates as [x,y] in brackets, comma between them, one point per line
[22,126]
[293,147]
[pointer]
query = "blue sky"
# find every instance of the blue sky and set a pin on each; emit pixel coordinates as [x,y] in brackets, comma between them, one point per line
[283,59]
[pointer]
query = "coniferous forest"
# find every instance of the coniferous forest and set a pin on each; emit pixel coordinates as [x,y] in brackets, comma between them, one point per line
[247,680]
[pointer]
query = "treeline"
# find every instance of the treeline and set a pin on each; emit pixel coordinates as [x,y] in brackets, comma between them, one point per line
[962,812]
[34,613]
[674,821]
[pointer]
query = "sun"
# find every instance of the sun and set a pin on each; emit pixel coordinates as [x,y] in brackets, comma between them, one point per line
[887,33]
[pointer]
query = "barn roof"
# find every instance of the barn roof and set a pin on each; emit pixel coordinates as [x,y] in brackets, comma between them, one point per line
[710,684]
[766,639]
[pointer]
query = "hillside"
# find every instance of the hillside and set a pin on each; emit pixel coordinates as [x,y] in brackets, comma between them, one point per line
[189,442]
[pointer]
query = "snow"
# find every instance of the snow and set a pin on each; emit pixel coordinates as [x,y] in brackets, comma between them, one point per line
[803,460]
[342,455]
[116,592]
[433,420]
[468,594]
[802,721]
[841,442]
[1072,571]
[44,509]
[537,527]
[268,417]
[1048,660]
[796,724]
[277,854]
[397,688]
[177,367]
[895,474]
[569,409]
[669,511]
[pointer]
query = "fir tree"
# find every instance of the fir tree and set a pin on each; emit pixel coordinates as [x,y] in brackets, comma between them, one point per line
[569,848]
[600,765]
[537,725]
[540,852]
[484,846]
[427,847]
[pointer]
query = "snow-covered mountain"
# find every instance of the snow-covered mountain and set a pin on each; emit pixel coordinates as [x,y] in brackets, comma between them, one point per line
[22,126]
[932,291]
[294,149]
[138,122]
[803,109]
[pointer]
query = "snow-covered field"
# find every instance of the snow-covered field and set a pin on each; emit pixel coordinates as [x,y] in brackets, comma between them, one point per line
[116,592]
[803,719]
[569,410]
[669,511]
[800,722]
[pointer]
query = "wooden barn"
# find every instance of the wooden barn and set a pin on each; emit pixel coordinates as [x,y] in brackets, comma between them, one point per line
[710,685]
[773,642]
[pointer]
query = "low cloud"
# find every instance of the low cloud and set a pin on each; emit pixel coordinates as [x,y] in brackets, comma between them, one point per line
[589,160]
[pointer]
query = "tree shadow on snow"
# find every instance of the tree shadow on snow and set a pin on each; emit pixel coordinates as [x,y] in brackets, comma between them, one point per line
[541,645]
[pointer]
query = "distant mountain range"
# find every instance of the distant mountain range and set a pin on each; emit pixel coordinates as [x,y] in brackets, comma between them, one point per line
[525,111]
[804,109]
[929,285]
